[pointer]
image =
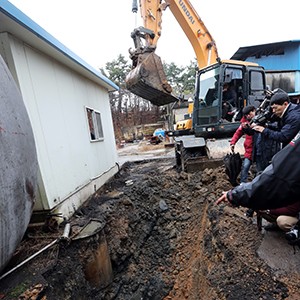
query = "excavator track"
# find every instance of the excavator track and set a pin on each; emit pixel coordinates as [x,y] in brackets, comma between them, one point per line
[194,159]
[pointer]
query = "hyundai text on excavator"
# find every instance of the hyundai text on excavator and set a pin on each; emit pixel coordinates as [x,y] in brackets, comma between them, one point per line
[214,116]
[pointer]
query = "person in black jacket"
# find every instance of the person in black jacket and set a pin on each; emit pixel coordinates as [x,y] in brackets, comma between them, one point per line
[229,98]
[263,149]
[277,186]
[289,120]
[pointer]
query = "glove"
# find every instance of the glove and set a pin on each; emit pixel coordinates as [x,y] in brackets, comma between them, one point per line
[232,147]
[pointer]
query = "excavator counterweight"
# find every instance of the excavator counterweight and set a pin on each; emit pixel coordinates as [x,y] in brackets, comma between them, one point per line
[148,80]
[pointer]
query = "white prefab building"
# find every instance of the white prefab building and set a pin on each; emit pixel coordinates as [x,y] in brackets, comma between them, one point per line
[68,106]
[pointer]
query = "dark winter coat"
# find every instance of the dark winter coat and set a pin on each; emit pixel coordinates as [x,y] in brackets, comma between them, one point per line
[288,127]
[277,186]
[248,142]
[263,147]
[229,96]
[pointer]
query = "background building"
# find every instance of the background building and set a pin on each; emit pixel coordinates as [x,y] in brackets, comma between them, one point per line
[281,61]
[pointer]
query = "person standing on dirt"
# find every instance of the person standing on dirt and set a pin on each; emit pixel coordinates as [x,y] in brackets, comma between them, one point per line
[263,148]
[257,148]
[289,120]
[248,114]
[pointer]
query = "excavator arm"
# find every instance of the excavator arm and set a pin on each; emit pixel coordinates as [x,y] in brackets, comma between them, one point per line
[201,40]
[147,78]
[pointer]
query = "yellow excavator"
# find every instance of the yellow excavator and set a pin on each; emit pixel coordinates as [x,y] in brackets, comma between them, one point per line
[186,123]
[215,114]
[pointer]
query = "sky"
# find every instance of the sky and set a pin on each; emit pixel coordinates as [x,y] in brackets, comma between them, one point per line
[98,31]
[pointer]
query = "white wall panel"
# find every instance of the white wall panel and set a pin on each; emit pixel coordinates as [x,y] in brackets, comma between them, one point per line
[56,97]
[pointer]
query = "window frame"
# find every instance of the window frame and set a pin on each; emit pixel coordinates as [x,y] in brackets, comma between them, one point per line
[94,123]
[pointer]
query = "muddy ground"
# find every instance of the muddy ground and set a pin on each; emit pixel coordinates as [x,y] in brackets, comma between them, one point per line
[156,235]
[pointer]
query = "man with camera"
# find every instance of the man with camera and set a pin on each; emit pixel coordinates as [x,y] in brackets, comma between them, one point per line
[257,148]
[263,147]
[288,120]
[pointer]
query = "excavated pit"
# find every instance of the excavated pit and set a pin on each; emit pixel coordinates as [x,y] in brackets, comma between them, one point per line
[162,238]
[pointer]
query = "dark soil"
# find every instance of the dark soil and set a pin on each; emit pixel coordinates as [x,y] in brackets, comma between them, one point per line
[161,237]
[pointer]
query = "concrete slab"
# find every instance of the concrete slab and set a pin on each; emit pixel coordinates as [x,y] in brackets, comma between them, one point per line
[278,254]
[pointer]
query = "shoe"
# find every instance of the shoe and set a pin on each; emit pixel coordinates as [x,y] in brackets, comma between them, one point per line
[272,227]
[293,234]
[249,213]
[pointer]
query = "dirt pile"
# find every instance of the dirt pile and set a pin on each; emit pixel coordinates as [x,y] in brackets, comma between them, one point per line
[166,240]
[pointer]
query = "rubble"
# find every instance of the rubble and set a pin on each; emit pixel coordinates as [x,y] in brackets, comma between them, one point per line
[163,237]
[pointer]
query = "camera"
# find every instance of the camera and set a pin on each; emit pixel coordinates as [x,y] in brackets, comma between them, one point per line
[262,117]
[264,112]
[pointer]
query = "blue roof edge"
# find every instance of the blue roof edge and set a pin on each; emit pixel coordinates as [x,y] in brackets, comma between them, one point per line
[13,12]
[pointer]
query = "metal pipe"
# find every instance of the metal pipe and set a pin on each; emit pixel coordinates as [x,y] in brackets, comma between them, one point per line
[66,232]
[29,258]
[64,237]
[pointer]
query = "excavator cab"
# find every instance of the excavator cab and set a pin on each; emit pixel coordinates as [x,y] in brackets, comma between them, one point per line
[147,78]
[210,118]
[216,116]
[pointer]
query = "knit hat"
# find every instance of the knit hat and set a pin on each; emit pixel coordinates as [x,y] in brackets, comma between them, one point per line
[279,98]
[247,109]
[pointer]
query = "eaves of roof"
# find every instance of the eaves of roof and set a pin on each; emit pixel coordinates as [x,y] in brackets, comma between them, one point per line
[262,50]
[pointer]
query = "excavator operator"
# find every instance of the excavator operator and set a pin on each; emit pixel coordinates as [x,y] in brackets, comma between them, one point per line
[229,101]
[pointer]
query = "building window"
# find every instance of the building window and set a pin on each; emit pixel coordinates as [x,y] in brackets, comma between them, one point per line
[284,80]
[95,124]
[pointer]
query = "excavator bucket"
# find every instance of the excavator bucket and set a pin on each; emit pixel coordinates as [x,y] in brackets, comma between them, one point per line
[148,80]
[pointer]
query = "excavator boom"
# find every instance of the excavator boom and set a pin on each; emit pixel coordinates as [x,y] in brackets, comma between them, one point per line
[147,78]
[222,87]
[201,40]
